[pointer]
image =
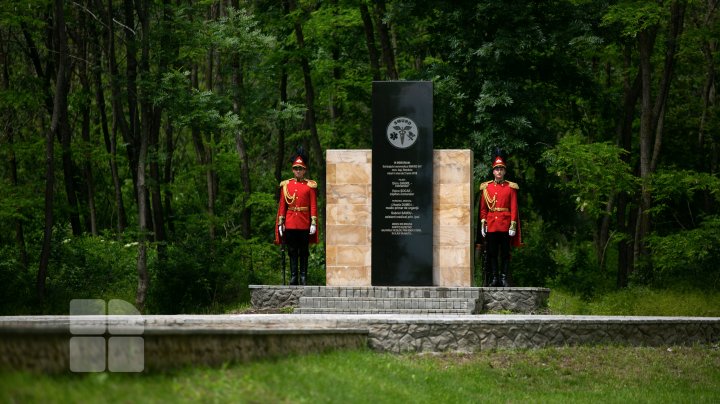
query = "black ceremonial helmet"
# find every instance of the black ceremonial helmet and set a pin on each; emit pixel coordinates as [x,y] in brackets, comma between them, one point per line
[300,159]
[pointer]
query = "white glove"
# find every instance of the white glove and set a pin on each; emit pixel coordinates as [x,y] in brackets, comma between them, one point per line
[513,229]
[511,232]
[281,230]
[483,228]
[313,229]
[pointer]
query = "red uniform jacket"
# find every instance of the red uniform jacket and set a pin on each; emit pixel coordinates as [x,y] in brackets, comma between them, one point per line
[498,206]
[298,205]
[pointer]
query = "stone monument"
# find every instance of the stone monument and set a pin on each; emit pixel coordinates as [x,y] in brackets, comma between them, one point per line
[402,183]
[350,238]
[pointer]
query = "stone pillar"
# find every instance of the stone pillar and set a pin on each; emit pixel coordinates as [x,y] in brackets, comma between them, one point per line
[348,221]
[453,218]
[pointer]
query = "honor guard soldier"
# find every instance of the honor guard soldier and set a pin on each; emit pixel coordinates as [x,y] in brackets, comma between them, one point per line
[499,221]
[297,218]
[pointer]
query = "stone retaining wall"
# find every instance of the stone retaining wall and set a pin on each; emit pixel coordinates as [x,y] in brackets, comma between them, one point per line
[275,297]
[170,342]
[540,332]
[41,343]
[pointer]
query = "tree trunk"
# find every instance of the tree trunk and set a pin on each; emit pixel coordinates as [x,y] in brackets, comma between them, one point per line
[7,122]
[370,41]
[204,157]
[280,154]
[651,118]
[59,119]
[709,94]
[240,146]
[384,33]
[143,276]
[151,121]
[310,116]
[319,160]
[119,121]
[91,217]
[624,140]
[646,41]
[131,134]
[168,176]
[110,146]
[19,230]
[280,162]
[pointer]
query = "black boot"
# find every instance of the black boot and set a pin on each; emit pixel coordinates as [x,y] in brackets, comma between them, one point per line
[505,276]
[293,268]
[303,270]
[495,280]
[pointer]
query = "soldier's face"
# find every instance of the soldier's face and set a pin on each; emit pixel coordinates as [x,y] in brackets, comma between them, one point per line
[499,173]
[299,172]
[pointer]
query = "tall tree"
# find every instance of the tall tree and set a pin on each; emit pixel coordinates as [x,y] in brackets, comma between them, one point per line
[653,111]
[58,121]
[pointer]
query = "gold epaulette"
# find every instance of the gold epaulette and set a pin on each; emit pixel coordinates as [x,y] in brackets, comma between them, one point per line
[513,185]
[484,185]
[283,183]
[312,184]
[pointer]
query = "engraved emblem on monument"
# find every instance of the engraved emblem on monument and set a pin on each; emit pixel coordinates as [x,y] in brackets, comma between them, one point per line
[402,132]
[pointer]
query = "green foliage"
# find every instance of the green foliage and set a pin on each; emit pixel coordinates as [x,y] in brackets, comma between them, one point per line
[546,81]
[590,172]
[676,187]
[532,264]
[634,16]
[15,284]
[691,254]
[200,275]
[576,268]
[83,267]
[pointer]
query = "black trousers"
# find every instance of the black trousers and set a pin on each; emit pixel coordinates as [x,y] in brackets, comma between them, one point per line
[297,242]
[498,247]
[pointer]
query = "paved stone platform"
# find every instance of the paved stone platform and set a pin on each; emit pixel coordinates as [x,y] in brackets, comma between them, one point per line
[399,299]
[42,342]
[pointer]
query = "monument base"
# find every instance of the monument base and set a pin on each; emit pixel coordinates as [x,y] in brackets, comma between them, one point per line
[349,218]
[399,300]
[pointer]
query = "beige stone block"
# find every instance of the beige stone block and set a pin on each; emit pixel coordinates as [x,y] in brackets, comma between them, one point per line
[330,256]
[444,235]
[447,256]
[452,277]
[329,174]
[361,156]
[452,166]
[452,194]
[353,255]
[344,235]
[348,214]
[451,215]
[349,194]
[353,173]
[348,276]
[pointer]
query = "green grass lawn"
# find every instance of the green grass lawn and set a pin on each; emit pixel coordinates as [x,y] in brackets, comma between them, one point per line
[639,301]
[577,374]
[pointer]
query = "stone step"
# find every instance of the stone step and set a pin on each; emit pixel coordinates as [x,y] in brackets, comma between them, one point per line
[372,303]
[458,312]
[393,292]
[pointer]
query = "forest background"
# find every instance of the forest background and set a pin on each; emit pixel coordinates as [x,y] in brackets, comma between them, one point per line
[142,141]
